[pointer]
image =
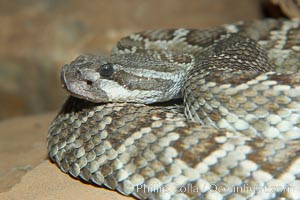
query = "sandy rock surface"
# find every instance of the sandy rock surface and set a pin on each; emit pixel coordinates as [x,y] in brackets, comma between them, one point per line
[27,174]
[46,182]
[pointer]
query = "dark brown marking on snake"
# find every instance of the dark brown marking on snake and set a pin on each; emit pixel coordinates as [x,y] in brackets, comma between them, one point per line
[271,160]
[286,157]
[154,35]
[207,38]
[183,59]
[133,82]
[285,79]
[237,45]
[294,158]
[128,43]
[257,155]
[233,78]
[261,156]
[194,153]
[293,38]
[159,115]
[180,59]
[215,116]
[151,60]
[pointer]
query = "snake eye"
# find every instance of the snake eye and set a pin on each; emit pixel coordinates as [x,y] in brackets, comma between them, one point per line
[106,70]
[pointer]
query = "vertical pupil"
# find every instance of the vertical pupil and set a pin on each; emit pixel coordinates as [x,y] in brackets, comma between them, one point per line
[106,70]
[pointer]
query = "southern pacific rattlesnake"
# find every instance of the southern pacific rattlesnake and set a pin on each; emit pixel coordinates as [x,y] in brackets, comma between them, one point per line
[240,81]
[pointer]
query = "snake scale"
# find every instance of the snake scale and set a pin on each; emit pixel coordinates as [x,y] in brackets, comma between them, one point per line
[235,133]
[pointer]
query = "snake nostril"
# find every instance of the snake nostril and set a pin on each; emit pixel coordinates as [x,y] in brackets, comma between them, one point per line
[88,82]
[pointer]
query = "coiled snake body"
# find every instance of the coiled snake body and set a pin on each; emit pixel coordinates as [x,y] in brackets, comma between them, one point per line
[236,137]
